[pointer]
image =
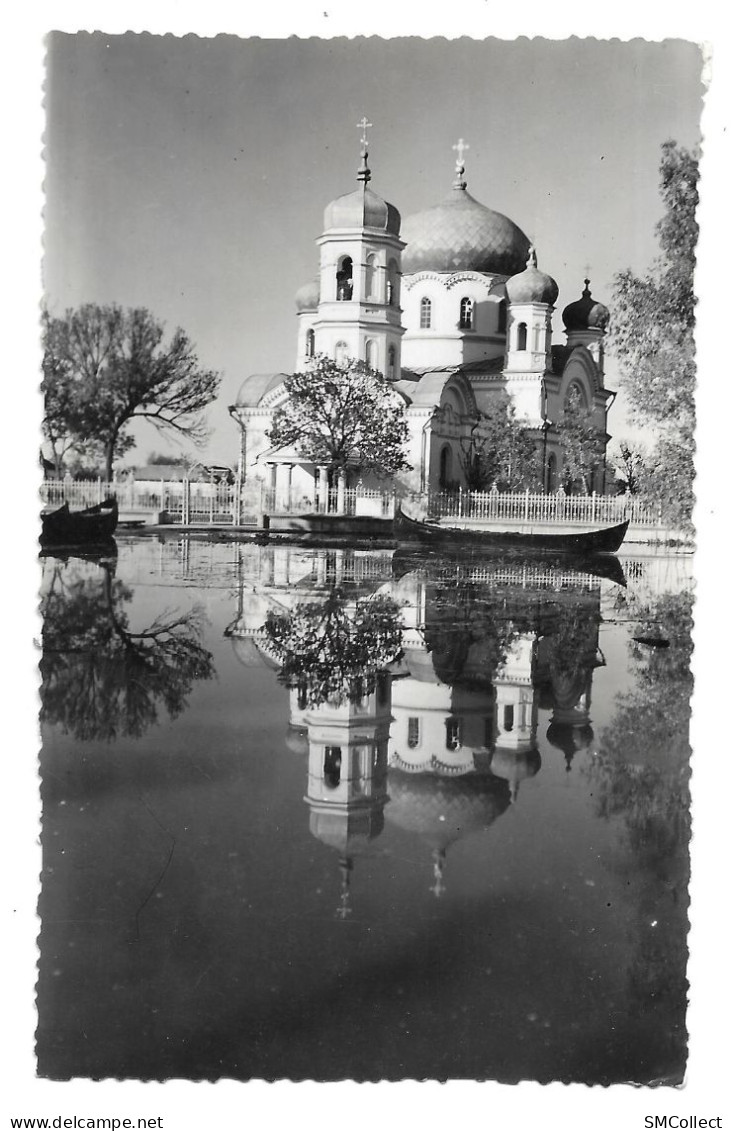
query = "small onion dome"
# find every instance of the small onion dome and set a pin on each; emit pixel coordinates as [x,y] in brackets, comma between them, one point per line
[308,296]
[362,209]
[296,740]
[586,313]
[532,285]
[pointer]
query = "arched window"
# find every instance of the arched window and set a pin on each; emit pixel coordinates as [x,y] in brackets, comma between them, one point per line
[445,466]
[310,343]
[453,733]
[413,732]
[332,766]
[370,279]
[382,689]
[302,696]
[465,321]
[501,323]
[391,362]
[426,313]
[509,717]
[522,336]
[344,279]
[340,353]
[370,353]
[393,298]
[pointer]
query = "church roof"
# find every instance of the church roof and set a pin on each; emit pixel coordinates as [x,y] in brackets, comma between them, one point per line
[532,285]
[308,296]
[256,386]
[585,313]
[460,234]
[359,209]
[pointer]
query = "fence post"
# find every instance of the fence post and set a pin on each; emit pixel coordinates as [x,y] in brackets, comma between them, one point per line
[526,504]
[593,507]
[460,501]
[186,502]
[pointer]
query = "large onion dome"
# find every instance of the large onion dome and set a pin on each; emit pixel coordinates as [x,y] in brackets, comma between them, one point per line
[585,313]
[308,296]
[460,234]
[532,285]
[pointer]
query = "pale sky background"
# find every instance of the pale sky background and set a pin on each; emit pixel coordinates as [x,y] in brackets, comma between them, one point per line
[190,176]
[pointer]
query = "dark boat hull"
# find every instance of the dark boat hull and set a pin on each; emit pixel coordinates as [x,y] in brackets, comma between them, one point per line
[603,540]
[469,562]
[94,526]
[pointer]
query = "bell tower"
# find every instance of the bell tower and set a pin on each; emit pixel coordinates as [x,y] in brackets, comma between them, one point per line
[532,295]
[358,313]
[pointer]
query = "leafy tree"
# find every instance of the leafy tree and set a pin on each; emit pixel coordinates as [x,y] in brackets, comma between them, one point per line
[105,366]
[343,416]
[653,334]
[101,679]
[500,450]
[632,463]
[334,650]
[582,444]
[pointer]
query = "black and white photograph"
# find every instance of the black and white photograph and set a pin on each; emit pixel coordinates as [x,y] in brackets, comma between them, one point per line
[367,574]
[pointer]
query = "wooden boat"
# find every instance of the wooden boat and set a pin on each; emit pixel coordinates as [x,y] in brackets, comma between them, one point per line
[93,526]
[601,540]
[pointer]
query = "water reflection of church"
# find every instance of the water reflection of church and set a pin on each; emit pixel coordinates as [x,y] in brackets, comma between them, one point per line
[442,743]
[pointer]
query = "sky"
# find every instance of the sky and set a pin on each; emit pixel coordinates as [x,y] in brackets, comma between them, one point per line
[190,175]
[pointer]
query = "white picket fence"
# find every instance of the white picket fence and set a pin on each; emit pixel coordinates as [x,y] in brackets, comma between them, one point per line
[192,503]
[527,506]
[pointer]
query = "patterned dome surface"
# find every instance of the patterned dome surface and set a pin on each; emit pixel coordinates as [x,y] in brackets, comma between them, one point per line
[460,234]
[362,209]
[532,285]
[585,313]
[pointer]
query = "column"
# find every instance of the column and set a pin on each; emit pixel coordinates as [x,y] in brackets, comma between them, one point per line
[341,492]
[288,486]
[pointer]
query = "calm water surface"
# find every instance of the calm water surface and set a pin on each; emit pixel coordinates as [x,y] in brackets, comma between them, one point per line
[364,815]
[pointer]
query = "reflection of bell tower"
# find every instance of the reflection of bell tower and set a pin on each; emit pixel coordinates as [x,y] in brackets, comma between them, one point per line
[566,662]
[347,775]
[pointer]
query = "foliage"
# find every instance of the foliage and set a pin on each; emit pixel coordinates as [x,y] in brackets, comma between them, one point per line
[641,772]
[500,451]
[102,680]
[582,444]
[632,466]
[334,650]
[104,366]
[653,330]
[342,415]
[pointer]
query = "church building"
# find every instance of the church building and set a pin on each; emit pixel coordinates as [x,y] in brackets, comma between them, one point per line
[451,306]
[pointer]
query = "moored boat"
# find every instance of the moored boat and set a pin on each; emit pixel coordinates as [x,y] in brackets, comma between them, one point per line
[598,540]
[93,526]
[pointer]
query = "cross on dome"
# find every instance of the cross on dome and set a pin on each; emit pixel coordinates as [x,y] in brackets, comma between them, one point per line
[460,148]
[364,174]
[364,125]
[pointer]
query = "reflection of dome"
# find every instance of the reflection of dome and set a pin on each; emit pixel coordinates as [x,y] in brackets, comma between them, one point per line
[362,209]
[459,234]
[570,739]
[347,831]
[297,740]
[444,809]
[532,285]
[308,296]
[586,313]
[515,766]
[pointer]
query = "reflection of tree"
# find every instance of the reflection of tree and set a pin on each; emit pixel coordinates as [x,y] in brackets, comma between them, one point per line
[641,772]
[641,777]
[99,678]
[333,650]
[469,629]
